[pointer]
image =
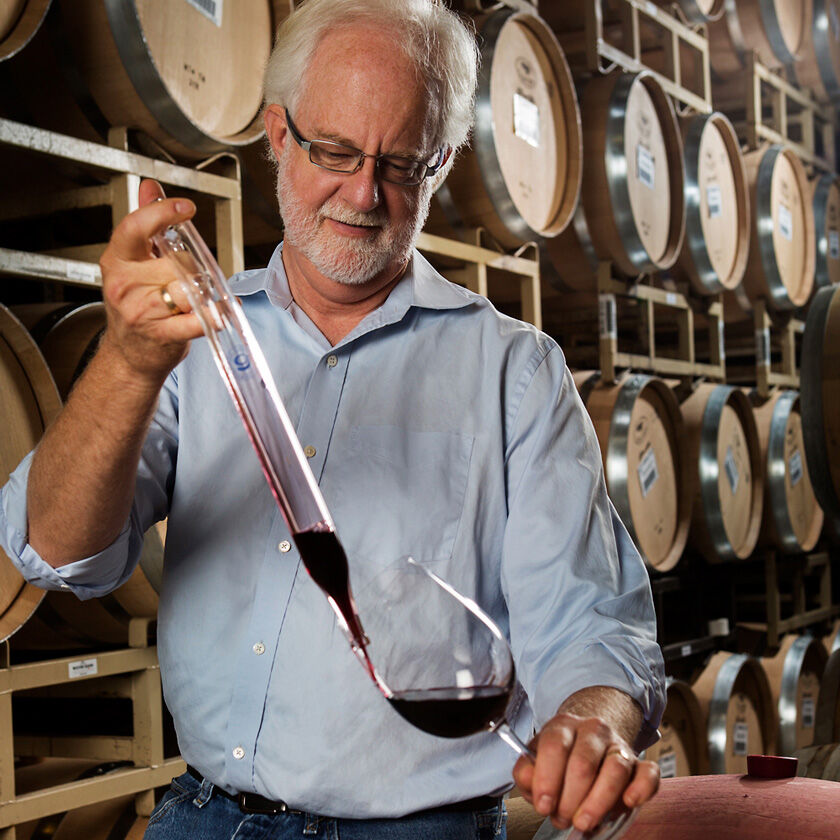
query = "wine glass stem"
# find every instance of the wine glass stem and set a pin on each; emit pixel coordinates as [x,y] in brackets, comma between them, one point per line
[504,731]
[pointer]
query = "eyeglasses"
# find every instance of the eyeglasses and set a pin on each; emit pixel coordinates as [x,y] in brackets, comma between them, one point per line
[336,157]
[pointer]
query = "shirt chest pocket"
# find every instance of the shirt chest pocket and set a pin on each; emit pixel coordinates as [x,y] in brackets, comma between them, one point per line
[401,492]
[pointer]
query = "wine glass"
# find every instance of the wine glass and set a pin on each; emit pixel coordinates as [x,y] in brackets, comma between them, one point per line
[442,663]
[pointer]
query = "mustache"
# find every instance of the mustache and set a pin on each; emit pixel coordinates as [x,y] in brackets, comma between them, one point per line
[333,210]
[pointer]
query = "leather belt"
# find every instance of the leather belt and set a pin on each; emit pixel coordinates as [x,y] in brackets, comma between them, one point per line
[253,803]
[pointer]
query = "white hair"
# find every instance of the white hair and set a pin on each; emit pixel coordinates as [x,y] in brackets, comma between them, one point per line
[433,38]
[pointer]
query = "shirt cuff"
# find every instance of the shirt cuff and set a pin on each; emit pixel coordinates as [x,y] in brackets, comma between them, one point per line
[90,577]
[622,664]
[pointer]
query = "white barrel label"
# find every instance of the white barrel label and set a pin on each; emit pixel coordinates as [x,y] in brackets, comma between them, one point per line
[648,472]
[526,120]
[668,765]
[731,469]
[834,244]
[209,8]
[808,710]
[795,468]
[644,166]
[714,200]
[785,223]
[740,736]
[607,326]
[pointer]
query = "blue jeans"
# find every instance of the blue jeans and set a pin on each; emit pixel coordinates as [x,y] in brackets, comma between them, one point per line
[190,811]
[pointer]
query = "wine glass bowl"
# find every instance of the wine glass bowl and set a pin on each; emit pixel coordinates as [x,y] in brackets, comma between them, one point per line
[445,665]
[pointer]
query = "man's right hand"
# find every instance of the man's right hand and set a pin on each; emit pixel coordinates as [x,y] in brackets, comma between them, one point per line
[141,327]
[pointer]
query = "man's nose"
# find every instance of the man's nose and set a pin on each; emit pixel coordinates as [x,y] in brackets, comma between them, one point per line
[361,189]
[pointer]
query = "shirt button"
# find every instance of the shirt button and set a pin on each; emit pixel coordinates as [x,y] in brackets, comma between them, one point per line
[238,753]
[332,361]
[285,546]
[259,648]
[309,451]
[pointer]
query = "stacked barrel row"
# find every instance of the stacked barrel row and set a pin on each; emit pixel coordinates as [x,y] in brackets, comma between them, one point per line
[718,471]
[739,705]
[657,194]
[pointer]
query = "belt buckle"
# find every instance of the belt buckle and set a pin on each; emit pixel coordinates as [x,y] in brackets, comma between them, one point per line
[248,806]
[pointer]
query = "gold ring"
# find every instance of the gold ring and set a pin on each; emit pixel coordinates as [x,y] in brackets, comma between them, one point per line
[170,303]
[625,753]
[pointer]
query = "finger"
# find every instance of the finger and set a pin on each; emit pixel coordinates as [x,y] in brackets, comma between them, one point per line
[614,776]
[523,773]
[150,190]
[553,748]
[582,768]
[130,240]
[644,785]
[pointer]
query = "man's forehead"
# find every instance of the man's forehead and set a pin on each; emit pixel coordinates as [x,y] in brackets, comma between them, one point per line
[356,75]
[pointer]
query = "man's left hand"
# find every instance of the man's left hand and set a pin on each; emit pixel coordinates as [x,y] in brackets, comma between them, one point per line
[584,770]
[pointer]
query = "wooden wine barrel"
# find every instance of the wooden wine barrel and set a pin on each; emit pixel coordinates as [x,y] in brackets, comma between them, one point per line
[189,81]
[820,762]
[776,30]
[717,206]
[521,178]
[29,401]
[734,695]
[724,457]
[738,808]
[818,67]
[820,378]
[780,268]
[793,518]
[639,429]
[696,11]
[67,334]
[19,21]
[827,725]
[794,674]
[632,215]
[681,750]
[826,204]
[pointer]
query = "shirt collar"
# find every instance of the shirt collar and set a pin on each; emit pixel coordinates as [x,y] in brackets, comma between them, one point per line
[420,286]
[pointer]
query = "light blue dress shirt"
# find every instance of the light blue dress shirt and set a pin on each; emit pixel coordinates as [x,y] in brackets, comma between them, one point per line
[440,429]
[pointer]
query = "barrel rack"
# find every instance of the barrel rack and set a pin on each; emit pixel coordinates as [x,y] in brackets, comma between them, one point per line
[678,41]
[649,297]
[144,748]
[477,259]
[803,581]
[121,171]
[794,118]
[125,170]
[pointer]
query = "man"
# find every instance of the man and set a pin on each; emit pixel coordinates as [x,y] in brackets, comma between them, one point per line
[435,427]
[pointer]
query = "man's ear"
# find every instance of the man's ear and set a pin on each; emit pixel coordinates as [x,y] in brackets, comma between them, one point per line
[276,129]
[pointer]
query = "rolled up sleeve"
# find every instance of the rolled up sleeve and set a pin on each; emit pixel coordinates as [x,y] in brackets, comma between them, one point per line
[579,597]
[105,571]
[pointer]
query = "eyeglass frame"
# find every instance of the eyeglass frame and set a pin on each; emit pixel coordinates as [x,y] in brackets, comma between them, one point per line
[306,145]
